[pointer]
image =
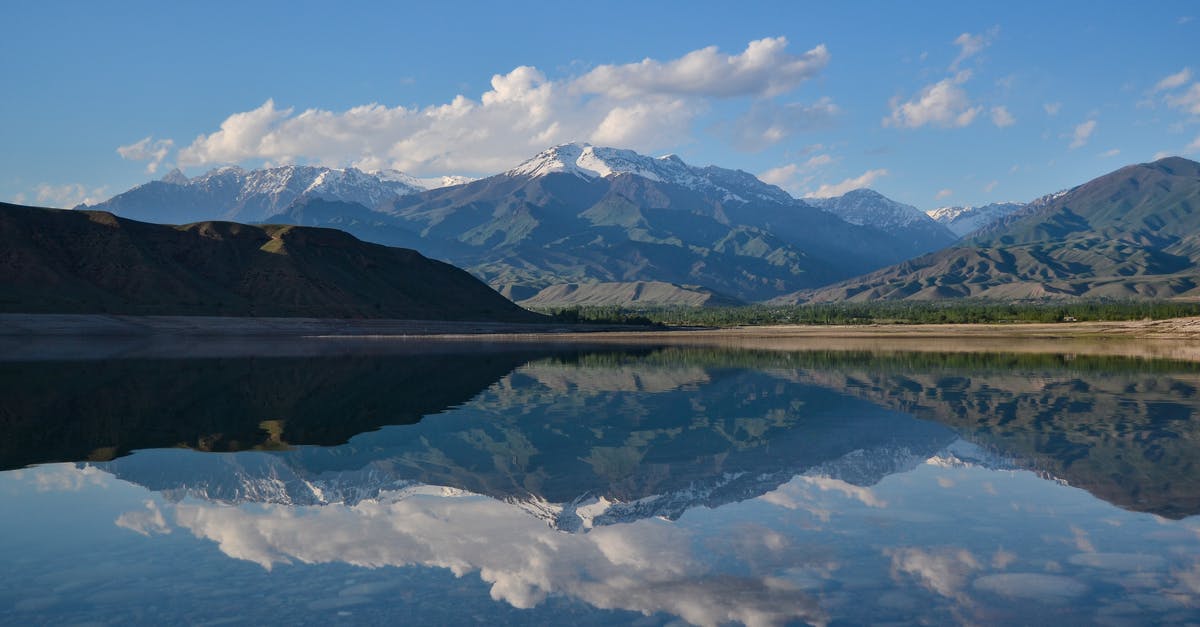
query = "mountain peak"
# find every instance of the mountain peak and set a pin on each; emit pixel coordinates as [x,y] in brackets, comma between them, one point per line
[175,177]
[865,206]
[590,162]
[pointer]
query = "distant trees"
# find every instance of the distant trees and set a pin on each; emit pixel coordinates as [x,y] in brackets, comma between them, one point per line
[884,312]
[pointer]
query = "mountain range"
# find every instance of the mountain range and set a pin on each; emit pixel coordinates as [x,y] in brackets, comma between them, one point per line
[574,213]
[581,224]
[1131,233]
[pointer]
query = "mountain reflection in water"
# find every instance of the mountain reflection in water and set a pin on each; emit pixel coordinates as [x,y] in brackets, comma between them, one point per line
[708,485]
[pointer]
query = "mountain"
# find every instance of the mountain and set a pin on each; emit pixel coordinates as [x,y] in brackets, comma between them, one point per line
[964,220]
[62,261]
[584,214]
[1134,232]
[573,214]
[630,294]
[231,193]
[867,207]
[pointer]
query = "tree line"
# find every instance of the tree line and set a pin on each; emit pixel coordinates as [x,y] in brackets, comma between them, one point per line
[883,312]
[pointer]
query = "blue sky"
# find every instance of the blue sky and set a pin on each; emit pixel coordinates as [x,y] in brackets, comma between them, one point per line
[931,103]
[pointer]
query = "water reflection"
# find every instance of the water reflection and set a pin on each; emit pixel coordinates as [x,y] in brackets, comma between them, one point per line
[712,486]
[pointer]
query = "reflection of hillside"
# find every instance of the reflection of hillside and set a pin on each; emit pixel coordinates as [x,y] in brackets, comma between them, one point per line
[564,378]
[1129,438]
[581,455]
[75,410]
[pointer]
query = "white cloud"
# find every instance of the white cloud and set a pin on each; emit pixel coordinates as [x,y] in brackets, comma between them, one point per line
[943,103]
[69,195]
[1193,147]
[970,45]
[768,123]
[647,106]
[147,149]
[1178,79]
[818,161]
[1002,118]
[765,68]
[987,189]
[1081,134]
[793,177]
[657,123]
[1187,101]
[943,194]
[1052,108]
[781,175]
[1112,152]
[850,184]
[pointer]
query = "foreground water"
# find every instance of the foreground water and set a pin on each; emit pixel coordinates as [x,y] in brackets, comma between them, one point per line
[457,483]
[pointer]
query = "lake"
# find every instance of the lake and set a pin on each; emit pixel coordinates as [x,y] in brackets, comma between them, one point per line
[328,482]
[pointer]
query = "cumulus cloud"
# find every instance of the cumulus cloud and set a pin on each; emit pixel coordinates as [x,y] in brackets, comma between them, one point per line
[943,194]
[147,149]
[647,106]
[1002,118]
[1081,134]
[987,189]
[970,45]
[1112,152]
[69,195]
[944,103]
[1052,108]
[793,177]
[1193,147]
[1173,81]
[858,182]
[767,123]
[765,68]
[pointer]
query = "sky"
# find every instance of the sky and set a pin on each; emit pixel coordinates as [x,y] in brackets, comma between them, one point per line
[931,103]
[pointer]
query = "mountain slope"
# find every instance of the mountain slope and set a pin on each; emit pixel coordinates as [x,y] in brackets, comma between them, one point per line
[1132,233]
[634,293]
[232,193]
[870,208]
[91,261]
[574,213]
[585,214]
[964,220]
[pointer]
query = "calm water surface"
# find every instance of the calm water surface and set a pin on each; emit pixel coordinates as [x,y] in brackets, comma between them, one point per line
[460,483]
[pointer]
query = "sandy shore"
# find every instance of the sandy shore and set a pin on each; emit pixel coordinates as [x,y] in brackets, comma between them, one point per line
[1172,339]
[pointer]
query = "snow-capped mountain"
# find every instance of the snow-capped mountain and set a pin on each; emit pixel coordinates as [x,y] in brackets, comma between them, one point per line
[867,207]
[590,162]
[965,219]
[233,193]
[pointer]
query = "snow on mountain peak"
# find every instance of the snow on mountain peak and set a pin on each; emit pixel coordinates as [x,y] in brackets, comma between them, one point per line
[589,162]
[869,207]
[967,219]
[592,162]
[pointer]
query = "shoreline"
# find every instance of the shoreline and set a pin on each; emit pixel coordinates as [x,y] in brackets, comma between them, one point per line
[102,336]
[91,325]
